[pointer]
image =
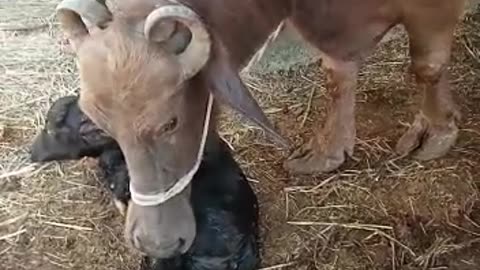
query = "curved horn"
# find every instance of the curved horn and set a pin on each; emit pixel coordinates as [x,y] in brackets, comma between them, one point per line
[71,12]
[196,55]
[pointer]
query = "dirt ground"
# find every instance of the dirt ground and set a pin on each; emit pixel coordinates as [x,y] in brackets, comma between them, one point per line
[378,211]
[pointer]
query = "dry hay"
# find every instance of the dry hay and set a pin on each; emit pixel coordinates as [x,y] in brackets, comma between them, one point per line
[377,212]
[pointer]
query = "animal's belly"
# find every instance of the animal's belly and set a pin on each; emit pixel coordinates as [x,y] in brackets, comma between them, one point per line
[344,28]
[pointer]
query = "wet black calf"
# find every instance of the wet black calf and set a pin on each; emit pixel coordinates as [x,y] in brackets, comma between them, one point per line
[224,205]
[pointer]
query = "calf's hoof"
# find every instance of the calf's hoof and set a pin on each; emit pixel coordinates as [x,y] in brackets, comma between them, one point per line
[311,158]
[121,207]
[426,141]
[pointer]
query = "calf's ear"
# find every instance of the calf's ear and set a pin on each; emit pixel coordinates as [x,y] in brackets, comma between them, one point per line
[226,85]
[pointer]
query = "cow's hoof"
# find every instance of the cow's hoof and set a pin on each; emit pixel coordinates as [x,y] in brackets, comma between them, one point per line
[310,159]
[426,141]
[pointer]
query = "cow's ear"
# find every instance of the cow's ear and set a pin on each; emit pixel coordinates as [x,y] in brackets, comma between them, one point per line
[226,85]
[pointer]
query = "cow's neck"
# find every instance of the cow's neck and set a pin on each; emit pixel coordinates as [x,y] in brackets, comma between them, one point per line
[243,26]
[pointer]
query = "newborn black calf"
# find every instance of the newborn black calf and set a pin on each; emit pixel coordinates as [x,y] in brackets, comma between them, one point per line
[69,134]
[224,205]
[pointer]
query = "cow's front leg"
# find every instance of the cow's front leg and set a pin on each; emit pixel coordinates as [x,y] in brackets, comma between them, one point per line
[434,130]
[327,149]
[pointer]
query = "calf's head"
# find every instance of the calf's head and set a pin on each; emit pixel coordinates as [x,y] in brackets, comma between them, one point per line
[147,72]
[68,134]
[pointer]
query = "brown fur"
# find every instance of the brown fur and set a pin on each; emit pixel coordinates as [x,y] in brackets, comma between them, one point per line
[132,88]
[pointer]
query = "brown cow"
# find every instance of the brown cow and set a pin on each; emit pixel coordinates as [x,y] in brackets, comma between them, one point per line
[148,69]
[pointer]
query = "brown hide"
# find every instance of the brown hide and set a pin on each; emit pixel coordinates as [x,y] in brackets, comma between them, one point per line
[242,26]
[342,28]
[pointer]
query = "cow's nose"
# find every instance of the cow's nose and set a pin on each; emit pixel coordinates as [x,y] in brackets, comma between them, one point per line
[158,247]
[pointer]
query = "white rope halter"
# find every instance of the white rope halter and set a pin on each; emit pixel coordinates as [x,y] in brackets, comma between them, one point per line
[154,199]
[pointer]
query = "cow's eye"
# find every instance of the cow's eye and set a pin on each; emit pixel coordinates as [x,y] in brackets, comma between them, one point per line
[168,127]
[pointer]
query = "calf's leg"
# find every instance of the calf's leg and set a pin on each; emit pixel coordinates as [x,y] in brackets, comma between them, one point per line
[327,149]
[434,130]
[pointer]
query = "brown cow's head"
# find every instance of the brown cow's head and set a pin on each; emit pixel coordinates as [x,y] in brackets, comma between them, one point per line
[145,72]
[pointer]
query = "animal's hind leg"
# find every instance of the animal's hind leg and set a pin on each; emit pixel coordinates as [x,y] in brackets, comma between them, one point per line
[434,130]
[327,149]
